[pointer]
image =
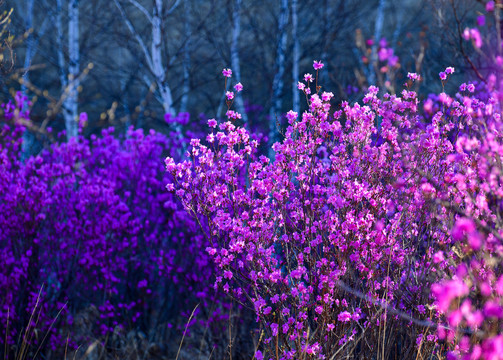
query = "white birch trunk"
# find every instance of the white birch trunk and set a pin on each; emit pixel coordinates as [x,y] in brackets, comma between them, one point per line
[186,61]
[61,57]
[277,85]
[30,51]
[157,67]
[296,57]
[377,37]
[235,65]
[70,102]
[399,22]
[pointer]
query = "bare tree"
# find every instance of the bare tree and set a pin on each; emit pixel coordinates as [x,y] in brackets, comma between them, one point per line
[154,58]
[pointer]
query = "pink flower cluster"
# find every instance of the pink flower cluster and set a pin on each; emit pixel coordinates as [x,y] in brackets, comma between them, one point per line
[363,210]
[474,35]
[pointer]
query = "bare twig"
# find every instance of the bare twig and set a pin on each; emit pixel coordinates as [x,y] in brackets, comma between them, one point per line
[142,9]
[185,331]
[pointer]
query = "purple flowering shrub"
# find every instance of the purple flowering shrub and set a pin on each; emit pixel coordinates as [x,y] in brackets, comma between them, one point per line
[90,223]
[336,244]
[470,296]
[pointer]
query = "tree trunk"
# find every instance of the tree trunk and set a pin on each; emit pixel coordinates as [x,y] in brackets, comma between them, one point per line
[30,51]
[373,65]
[296,57]
[70,83]
[186,61]
[277,85]
[236,30]
[157,67]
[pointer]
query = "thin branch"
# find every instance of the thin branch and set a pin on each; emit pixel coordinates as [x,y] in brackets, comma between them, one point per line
[136,35]
[186,327]
[460,37]
[175,5]
[142,9]
[384,305]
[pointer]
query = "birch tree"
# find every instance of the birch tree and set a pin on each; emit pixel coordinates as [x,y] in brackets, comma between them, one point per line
[32,40]
[69,79]
[186,57]
[33,36]
[235,63]
[377,37]
[28,16]
[277,85]
[295,58]
[153,57]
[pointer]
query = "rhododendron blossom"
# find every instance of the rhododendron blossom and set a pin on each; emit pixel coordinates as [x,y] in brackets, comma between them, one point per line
[367,195]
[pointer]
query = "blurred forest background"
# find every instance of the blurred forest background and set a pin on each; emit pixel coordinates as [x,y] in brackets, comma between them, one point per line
[130,62]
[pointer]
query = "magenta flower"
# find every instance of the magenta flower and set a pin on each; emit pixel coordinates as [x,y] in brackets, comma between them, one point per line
[233,115]
[212,123]
[83,118]
[476,37]
[227,72]
[463,226]
[229,95]
[442,75]
[414,76]
[238,87]
[326,96]
[383,54]
[291,115]
[493,309]
[308,78]
[438,257]
[490,6]
[447,292]
[466,34]
[344,316]
[475,240]
[228,274]
[318,65]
